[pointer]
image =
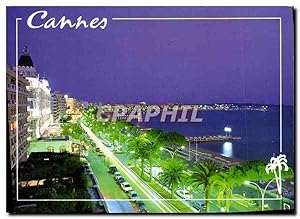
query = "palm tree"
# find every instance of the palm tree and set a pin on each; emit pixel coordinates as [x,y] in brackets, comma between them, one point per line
[50,148]
[153,155]
[202,176]
[225,183]
[113,137]
[277,163]
[224,192]
[187,184]
[154,135]
[173,173]
[139,148]
[62,149]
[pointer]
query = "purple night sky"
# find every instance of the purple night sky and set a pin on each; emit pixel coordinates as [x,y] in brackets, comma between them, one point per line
[162,61]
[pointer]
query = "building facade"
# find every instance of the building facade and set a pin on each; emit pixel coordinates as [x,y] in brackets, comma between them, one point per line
[13,115]
[58,106]
[74,107]
[39,96]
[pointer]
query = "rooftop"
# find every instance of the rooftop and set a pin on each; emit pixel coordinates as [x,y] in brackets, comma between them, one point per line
[25,58]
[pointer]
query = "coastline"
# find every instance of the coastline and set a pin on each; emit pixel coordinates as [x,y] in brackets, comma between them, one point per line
[205,154]
[216,154]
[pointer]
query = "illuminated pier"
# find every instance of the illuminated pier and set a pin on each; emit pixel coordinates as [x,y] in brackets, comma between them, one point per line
[214,138]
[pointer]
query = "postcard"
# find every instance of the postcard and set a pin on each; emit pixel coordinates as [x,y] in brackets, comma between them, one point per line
[144,110]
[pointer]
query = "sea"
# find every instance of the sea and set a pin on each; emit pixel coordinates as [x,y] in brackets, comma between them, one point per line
[259,132]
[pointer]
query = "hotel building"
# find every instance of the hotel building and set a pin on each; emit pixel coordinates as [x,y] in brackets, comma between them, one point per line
[13,116]
[39,96]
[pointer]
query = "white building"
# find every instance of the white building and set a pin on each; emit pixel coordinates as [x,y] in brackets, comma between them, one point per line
[39,97]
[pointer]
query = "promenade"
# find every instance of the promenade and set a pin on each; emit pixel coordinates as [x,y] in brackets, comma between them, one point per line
[213,138]
[195,154]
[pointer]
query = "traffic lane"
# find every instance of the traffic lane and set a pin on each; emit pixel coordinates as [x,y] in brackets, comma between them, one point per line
[109,189]
[162,205]
[113,188]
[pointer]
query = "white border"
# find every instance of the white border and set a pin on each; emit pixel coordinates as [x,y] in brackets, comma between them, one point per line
[192,18]
[157,19]
[153,199]
[17,107]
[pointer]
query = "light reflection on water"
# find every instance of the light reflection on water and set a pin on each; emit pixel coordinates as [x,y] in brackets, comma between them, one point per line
[227,149]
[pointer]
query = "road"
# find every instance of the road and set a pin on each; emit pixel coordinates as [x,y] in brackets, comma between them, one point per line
[236,206]
[109,188]
[148,192]
[151,196]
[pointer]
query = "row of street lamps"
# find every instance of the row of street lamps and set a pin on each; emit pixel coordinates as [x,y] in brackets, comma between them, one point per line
[172,153]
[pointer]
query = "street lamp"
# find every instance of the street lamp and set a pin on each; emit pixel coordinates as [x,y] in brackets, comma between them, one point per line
[227,130]
[262,191]
[196,140]
[174,152]
[163,149]
[189,149]
[120,146]
[119,135]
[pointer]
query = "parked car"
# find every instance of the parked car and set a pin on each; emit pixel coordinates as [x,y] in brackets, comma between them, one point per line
[112,169]
[133,196]
[100,153]
[262,183]
[126,187]
[287,194]
[198,205]
[184,194]
[147,169]
[116,174]
[120,179]
[86,165]
[270,187]
[141,206]
[89,171]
